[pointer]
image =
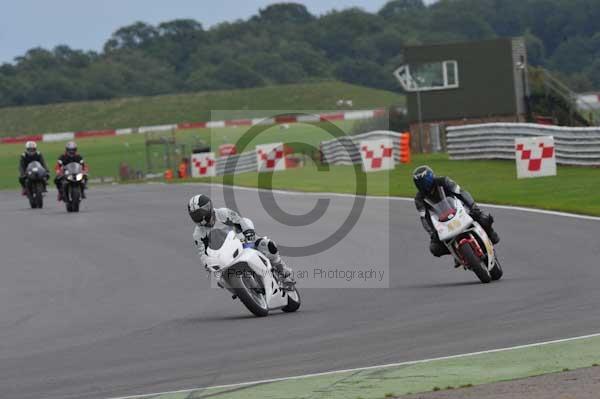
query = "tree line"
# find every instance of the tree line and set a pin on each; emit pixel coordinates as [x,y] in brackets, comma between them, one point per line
[285,43]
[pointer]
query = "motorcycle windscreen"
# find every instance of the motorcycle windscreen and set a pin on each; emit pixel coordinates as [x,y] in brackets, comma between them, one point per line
[35,166]
[445,210]
[216,238]
[73,168]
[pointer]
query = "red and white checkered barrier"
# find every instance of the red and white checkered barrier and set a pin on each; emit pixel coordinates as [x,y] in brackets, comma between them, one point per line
[285,119]
[204,164]
[377,155]
[270,157]
[535,157]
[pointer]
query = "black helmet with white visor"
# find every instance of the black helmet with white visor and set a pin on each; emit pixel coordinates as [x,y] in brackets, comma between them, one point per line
[201,210]
[71,148]
[31,147]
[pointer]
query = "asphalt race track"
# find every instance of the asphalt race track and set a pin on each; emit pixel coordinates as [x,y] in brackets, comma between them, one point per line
[112,301]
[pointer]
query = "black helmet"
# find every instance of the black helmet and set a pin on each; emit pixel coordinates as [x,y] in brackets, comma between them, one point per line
[201,210]
[71,148]
[424,178]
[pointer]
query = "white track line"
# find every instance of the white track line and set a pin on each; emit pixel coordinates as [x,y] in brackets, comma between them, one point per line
[405,199]
[383,366]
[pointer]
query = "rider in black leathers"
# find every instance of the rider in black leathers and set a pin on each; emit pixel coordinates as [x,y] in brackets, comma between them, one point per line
[428,183]
[31,154]
[68,157]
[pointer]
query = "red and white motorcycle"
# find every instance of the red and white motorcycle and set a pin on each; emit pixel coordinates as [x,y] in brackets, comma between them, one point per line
[465,238]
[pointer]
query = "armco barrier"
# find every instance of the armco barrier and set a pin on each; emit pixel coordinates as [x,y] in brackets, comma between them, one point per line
[345,151]
[240,163]
[335,116]
[58,136]
[574,145]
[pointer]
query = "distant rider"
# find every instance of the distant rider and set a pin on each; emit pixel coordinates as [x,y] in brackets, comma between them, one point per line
[31,154]
[68,157]
[200,209]
[427,184]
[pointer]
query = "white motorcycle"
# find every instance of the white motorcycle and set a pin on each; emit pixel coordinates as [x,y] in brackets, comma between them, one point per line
[466,240]
[247,274]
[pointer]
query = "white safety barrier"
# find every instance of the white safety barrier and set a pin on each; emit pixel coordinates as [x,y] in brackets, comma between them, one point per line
[573,145]
[346,150]
[240,163]
[154,129]
[51,137]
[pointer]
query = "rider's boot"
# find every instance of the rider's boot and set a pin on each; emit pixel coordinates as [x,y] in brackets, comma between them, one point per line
[284,273]
[494,237]
[486,222]
[268,248]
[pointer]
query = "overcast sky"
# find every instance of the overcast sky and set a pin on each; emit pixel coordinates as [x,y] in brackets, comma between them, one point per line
[87,24]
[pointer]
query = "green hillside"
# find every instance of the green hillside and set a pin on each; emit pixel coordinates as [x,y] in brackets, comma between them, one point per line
[144,111]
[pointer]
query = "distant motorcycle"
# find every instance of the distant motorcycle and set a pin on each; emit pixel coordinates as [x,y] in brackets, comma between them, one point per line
[465,238]
[35,183]
[72,186]
[247,274]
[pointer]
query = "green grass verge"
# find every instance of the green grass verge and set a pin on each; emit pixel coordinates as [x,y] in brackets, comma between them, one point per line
[193,107]
[104,154]
[574,189]
[420,377]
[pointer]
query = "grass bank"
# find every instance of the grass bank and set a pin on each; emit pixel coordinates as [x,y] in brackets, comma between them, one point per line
[192,107]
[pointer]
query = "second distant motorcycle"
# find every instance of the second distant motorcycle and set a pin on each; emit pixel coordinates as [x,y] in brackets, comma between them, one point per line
[73,186]
[35,184]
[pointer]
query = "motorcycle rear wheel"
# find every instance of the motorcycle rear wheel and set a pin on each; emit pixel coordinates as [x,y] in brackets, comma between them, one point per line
[294,301]
[496,271]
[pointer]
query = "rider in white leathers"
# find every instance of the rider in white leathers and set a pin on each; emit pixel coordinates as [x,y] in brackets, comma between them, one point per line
[205,216]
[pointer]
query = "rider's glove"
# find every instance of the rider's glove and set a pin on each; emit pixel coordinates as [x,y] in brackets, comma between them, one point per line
[250,235]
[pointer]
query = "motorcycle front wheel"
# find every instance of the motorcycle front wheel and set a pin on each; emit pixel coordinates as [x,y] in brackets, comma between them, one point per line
[72,198]
[39,196]
[475,264]
[247,288]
